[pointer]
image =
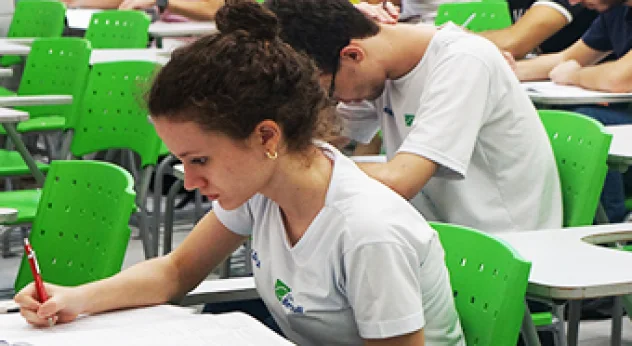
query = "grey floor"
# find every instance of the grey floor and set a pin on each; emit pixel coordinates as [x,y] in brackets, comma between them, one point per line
[592,333]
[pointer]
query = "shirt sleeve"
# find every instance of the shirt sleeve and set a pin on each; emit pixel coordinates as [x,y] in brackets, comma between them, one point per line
[383,290]
[359,120]
[596,37]
[239,220]
[563,7]
[451,113]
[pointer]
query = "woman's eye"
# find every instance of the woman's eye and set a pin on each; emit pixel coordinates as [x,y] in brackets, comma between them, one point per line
[199,160]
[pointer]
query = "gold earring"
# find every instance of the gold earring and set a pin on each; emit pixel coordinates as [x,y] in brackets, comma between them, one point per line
[272,156]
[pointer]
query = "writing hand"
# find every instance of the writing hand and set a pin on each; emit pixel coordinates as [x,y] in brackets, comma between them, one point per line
[64,304]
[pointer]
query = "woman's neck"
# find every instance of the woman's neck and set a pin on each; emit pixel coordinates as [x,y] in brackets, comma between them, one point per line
[299,187]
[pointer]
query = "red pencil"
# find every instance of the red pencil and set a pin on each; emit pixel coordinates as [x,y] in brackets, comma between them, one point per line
[37,275]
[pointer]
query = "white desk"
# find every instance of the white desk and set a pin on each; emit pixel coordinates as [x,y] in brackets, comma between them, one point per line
[156,55]
[8,215]
[567,267]
[10,48]
[79,18]
[620,153]
[158,325]
[8,119]
[222,290]
[6,72]
[165,29]
[548,93]
[17,40]
[39,100]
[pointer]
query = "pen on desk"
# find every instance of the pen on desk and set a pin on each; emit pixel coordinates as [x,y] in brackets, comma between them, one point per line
[37,275]
[468,21]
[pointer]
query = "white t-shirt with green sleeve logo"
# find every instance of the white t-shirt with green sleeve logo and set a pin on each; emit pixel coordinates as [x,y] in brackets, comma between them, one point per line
[462,107]
[369,266]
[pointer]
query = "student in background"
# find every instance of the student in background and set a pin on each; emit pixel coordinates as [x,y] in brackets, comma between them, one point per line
[338,258]
[544,26]
[455,120]
[610,33]
[192,9]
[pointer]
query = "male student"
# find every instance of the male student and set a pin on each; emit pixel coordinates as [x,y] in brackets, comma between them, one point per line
[610,33]
[455,120]
[547,26]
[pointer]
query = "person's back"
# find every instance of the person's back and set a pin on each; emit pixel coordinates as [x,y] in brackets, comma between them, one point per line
[486,148]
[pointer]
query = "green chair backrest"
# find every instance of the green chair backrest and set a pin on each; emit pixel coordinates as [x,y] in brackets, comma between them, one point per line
[580,145]
[112,114]
[488,15]
[56,66]
[35,19]
[118,29]
[489,281]
[81,232]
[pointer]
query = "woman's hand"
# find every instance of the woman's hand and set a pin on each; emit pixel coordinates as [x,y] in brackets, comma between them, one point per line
[64,304]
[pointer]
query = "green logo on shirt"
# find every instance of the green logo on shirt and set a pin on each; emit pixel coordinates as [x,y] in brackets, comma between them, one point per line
[284,294]
[408,119]
[281,289]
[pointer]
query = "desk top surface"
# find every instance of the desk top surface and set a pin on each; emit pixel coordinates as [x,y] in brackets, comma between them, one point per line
[566,266]
[8,215]
[159,325]
[621,145]
[8,115]
[167,29]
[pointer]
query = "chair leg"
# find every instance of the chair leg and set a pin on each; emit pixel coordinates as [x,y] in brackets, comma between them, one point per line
[169,216]
[528,331]
[574,312]
[559,331]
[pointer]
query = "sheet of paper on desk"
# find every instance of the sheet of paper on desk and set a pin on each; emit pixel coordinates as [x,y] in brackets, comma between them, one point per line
[551,89]
[180,329]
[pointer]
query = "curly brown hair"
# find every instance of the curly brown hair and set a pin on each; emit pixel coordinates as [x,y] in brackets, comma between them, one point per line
[230,81]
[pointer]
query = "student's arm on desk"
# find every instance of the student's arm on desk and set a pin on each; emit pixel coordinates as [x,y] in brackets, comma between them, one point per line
[412,339]
[93,3]
[540,67]
[405,173]
[151,282]
[613,76]
[534,27]
[196,10]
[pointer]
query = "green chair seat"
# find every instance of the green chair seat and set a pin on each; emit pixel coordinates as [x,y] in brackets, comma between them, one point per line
[6,92]
[481,16]
[25,201]
[12,164]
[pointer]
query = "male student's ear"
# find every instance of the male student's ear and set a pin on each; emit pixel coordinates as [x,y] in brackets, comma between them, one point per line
[352,53]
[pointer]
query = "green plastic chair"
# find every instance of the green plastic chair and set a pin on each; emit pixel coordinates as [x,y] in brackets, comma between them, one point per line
[118,29]
[35,19]
[81,230]
[580,145]
[55,66]
[112,115]
[488,15]
[489,281]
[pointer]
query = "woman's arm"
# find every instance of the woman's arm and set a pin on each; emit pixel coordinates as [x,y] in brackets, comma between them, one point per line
[148,283]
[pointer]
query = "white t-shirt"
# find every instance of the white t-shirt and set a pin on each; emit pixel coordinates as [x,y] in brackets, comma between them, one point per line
[463,108]
[368,266]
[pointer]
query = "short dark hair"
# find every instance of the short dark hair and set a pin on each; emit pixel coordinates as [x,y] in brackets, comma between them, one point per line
[321,28]
[230,81]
